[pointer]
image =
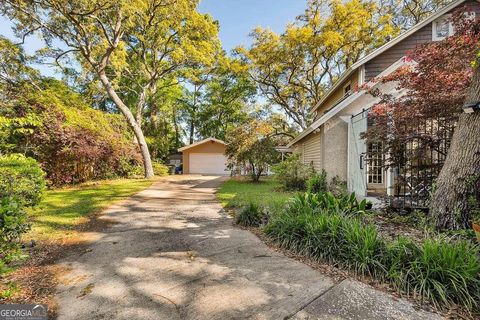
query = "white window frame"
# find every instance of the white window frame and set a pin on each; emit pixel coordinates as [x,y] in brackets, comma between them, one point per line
[374,165]
[451,28]
[434,27]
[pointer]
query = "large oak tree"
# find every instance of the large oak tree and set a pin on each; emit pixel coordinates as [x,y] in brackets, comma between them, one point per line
[144,41]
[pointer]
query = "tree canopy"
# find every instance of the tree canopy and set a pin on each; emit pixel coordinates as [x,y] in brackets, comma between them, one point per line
[295,68]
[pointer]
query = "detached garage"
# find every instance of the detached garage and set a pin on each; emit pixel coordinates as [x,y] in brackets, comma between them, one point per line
[205,157]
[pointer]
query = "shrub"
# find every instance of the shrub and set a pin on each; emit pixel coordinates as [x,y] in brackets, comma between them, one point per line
[21,179]
[291,174]
[326,202]
[159,169]
[338,186]
[72,141]
[251,216]
[318,182]
[22,183]
[13,223]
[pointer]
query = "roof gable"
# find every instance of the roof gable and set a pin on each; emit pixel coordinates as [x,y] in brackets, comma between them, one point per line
[385,47]
[196,144]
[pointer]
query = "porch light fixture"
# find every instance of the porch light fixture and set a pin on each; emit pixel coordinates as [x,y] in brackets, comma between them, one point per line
[472,107]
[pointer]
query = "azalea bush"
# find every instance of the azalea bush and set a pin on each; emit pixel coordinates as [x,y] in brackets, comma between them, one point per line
[21,179]
[72,141]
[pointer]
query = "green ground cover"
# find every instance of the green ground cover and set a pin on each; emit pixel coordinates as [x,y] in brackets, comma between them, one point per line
[241,192]
[61,210]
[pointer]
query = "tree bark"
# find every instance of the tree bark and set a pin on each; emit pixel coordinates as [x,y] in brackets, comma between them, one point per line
[147,161]
[452,203]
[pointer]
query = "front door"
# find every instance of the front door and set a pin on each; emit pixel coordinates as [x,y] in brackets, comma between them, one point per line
[356,158]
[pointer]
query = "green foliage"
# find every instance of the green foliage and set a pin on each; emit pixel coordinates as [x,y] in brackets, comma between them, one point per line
[318,182]
[239,193]
[333,34]
[21,185]
[291,174]
[21,179]
[444,272]
[251,216]
[318,203]
[252,147]
[342,241]
[72,142]
[337,186]
[160,169]
[13,223]
[440,270]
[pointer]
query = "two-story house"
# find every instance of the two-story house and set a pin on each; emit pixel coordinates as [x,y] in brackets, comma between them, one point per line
[333,141]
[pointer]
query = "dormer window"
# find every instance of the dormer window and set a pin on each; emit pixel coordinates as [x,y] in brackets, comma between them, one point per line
[443,26]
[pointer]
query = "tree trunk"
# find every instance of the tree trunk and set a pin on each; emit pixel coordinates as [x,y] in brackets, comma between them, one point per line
[147,161]
[452,203]
[192,130]
[140,106]
[175,126]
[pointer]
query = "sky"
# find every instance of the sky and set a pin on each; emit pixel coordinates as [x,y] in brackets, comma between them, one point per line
[237,19]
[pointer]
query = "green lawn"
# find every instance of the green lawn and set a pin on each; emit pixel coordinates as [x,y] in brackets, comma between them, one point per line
[237,193]
[61,210]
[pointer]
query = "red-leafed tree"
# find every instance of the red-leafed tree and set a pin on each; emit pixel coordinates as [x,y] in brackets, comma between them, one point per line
[432,89]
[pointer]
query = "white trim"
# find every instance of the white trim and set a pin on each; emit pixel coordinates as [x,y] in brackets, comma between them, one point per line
[446,18]
[327,116]
[407,33]
[201,142]
[361,75]
[387,46]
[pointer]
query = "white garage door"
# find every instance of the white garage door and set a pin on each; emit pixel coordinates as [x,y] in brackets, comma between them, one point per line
[208,163]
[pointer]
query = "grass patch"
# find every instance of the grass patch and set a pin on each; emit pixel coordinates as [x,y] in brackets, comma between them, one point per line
[240,193]
[62,210]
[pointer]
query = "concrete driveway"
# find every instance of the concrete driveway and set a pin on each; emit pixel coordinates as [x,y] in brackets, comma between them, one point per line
[174,254]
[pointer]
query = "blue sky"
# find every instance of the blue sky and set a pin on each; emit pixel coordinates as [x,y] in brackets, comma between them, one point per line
[237,19]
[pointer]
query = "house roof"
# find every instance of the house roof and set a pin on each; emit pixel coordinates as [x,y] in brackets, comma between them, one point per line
[387,46]
[340,105]
[345,102]
[201,142]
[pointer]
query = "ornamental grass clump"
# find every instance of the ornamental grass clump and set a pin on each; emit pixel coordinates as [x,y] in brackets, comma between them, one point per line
[438,270]
[443,271]
[342,241]
[251,216]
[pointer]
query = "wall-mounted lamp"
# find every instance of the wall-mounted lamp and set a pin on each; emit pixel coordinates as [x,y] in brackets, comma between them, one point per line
[472,107]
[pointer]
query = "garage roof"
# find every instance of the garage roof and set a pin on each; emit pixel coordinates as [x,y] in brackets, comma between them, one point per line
[201,142]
